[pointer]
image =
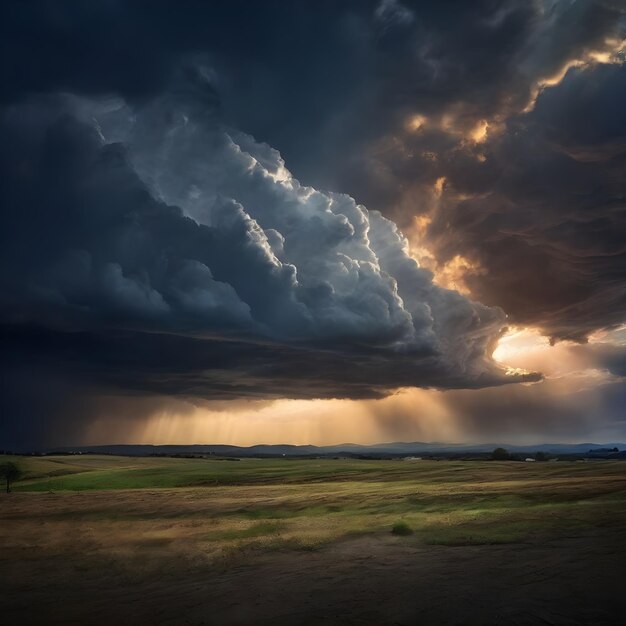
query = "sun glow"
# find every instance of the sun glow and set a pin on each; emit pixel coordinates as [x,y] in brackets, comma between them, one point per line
[407,415]
[517,342]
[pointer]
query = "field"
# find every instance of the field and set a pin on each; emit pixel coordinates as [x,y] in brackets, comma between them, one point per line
[103,539]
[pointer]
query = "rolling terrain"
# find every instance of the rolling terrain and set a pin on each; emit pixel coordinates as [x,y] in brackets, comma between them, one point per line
[198,540]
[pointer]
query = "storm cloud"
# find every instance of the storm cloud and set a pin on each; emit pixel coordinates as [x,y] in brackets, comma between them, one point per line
[151,249]
[514,104]
[167,224]
[546,200]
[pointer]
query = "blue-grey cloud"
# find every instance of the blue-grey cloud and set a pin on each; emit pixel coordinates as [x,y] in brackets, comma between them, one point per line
[154,239]
[152,249]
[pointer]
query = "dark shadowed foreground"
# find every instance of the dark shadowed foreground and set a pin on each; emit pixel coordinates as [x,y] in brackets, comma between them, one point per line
[310,542]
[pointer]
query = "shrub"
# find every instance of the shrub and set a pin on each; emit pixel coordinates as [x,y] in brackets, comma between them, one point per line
[402,529]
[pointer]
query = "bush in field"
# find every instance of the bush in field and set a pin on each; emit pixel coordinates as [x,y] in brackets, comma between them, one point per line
[500,454]
[402,529]
[10,473]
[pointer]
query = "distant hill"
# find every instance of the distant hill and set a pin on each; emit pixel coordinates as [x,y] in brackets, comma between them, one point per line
[345,449]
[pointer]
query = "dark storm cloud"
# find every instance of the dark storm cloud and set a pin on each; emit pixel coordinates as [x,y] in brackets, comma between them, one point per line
[213,233]
[332,85]
[319,74]
[187,261]
[137,224]
[545,212]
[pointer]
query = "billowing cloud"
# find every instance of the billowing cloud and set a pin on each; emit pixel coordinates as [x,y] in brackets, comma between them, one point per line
[151,249]
[475,118]
[154,243]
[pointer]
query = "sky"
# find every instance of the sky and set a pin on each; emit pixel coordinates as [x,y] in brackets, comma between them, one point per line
[312,222]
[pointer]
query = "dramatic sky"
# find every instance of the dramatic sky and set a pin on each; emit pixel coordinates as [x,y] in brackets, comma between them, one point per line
[312,221]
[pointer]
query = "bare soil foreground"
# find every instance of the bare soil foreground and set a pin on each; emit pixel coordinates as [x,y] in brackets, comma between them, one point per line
[485,543]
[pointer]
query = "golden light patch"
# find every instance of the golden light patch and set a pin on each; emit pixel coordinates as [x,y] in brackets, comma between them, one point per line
[479,132]
[416,122]
[566,366]
[517,342]
[438,187]
[416,235]
[611,52]
[448,123]
[421,224]
[453,273]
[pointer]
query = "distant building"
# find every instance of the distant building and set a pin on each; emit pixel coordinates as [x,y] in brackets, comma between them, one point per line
[412,458]
[529,460]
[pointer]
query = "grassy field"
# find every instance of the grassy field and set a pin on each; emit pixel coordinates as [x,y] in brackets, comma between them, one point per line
[98,536]
[271,503]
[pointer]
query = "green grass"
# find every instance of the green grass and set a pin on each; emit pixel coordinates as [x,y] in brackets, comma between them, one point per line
[210,507]
[401,529]
[89,473]
[95,472]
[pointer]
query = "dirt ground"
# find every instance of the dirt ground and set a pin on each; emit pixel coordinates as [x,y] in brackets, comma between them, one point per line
[55,572]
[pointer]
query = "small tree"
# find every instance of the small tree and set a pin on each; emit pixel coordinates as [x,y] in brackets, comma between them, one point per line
[10,472]
[499,454]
